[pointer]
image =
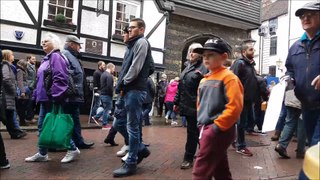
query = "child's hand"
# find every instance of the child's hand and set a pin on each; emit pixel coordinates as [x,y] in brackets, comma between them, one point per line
[175,108]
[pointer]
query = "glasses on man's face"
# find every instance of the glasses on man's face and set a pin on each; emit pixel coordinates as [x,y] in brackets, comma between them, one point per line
[308,15]
[131,28]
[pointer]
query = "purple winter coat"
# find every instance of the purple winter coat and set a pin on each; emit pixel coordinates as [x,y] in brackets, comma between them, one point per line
[59,75]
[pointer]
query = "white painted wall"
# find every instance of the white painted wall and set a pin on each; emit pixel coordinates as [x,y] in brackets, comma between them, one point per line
[151,16]
[13,10]
[7,34]
[117,50]
[93,25]
[93,4]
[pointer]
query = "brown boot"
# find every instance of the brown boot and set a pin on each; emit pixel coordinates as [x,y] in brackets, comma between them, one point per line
[276,136]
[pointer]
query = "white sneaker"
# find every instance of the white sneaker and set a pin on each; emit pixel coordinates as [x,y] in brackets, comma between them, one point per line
[124,158]
[167,119]
[70,156]
[174,123]
[123,151]
[37,158]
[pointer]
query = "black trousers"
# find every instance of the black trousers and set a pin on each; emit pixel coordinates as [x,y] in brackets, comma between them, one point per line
[9,123]
[192,138]
[22,105]
[3,157]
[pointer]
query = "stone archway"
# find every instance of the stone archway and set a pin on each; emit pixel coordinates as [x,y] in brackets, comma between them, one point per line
[198,38]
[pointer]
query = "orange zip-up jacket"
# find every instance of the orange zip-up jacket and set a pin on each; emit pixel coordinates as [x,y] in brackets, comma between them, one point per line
[220,99]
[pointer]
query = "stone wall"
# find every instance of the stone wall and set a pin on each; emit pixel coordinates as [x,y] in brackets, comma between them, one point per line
[180,28]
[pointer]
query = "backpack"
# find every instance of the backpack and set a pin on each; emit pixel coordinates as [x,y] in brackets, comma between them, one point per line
[71,91]
[150,59]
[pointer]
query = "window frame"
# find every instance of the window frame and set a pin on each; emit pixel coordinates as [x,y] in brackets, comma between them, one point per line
[273,45]
[65,8]
[137,5]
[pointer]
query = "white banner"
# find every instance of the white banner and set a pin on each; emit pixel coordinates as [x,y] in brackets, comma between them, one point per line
[274,107]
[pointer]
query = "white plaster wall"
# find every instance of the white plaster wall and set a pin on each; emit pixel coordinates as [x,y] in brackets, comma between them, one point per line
[151,17]
[255,36]
[117,50]
[93,25]
[7,34]
[157,57]
[13,10]
[93,4]
[34,7]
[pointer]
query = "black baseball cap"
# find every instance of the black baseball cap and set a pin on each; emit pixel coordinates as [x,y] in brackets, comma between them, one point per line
[312,6]
[217,45]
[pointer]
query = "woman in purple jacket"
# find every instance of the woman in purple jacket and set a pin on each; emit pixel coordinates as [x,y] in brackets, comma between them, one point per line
[58,65]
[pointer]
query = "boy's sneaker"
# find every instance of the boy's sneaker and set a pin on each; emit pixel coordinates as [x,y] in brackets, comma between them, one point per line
[167,119]
[174,123]
[123,151]
[106,127]
[37,158]
[245,152]
[186,165]
[5,165]
[70,156]
[124,158]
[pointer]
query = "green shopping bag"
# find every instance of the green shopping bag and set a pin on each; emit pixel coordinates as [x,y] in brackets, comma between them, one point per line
[57,129]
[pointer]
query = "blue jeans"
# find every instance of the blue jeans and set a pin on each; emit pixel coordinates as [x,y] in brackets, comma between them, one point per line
[184,120]
[133,104]
[120,124]
[246,114]
[170,112]
[106,102]
[45,107]
[15,122]
[145,113]
[282,118]
[96,104]
[290,127]
[73,108]
[312,125]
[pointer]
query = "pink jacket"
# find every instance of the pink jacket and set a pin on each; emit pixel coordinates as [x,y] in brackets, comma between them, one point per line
[171,91]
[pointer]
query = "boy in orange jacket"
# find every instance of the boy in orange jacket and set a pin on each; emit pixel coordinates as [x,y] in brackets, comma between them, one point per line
[219,104]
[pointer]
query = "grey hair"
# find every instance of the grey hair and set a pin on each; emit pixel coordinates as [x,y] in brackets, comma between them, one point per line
[54,39]
[192,47]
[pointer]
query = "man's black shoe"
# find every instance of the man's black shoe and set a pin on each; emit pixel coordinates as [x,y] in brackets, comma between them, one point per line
[111,142]
[143,154]
[85,145]
[282,151]
[125,170]
[19,135]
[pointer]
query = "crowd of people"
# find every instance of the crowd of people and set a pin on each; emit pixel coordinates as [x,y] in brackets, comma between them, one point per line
[219,106]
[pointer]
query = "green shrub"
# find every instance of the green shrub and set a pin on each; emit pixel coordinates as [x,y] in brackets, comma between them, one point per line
[60,18]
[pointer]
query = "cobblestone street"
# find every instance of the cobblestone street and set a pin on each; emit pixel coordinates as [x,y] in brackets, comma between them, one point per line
[167,148]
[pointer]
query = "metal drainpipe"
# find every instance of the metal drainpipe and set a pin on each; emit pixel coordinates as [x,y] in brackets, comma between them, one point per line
[289,24]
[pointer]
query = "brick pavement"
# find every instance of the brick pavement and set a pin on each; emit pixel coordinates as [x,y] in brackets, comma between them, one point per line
[167,147]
